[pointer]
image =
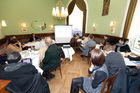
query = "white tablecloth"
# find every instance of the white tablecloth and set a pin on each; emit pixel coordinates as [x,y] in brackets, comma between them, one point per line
[68,52]
[35,56]
[38,44]
[129,63]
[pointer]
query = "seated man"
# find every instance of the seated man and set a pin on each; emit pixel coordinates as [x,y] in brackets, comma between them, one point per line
[73,41]
[106,41]
[24,77]
[51,59]
[122,46]
[14,45]
[85,39]
[33,38]
[114,60]
[89,43]
[11,38]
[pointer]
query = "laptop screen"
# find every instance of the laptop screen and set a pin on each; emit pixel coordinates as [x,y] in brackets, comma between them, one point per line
[27,60]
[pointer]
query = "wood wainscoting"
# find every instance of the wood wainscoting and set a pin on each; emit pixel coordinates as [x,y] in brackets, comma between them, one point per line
[25,38]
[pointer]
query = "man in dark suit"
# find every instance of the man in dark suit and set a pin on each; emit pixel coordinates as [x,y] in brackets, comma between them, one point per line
[33,38]
[51,59]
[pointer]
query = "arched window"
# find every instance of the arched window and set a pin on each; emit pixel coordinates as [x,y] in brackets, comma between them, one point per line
[82,6]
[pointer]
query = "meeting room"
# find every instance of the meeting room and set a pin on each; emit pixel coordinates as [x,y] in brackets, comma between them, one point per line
[69,46]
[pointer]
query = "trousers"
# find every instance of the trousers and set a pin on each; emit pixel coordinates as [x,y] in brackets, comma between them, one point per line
[76,84]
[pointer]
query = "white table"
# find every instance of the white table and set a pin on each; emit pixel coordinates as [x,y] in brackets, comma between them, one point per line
[35,56]
[38,44]
[129,63]
[68,52]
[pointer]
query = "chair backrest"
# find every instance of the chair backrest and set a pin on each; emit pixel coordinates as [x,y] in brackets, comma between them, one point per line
[90,48]
[89,53]
[108,83]
[60,58]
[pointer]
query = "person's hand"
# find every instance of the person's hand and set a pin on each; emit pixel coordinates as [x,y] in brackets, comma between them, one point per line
[101,44]
[126,54]
[23,46]
[19,43]
[138,66]
[91,66]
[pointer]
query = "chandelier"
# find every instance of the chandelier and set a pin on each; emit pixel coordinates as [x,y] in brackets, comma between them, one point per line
[59,11]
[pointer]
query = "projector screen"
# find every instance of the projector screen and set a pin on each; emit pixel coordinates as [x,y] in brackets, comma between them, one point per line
[63,33]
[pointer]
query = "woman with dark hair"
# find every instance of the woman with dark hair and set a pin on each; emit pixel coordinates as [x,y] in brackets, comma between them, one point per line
[98,71]
[11,38]
[14,45]
[122,46]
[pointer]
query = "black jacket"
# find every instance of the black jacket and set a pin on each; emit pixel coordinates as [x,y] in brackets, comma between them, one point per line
[32,39]
[125,48]
[125,83]
[25,80]
[114,61]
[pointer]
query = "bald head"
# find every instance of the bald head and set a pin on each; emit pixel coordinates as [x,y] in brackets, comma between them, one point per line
[48,41]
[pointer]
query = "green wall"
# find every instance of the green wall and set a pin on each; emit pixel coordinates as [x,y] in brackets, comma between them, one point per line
[1,34]
[16,12]
[116,13]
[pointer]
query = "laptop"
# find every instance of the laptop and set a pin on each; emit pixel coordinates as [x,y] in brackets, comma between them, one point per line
[27,60]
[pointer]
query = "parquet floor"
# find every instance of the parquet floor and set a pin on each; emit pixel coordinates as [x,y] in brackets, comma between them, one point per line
[76,68]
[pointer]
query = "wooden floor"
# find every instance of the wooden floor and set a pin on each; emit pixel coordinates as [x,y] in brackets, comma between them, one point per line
[76,68]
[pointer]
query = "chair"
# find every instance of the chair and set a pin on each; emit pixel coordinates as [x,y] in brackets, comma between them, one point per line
[59,67]
[89,53]
[108,83]
[75,44]
[3,84]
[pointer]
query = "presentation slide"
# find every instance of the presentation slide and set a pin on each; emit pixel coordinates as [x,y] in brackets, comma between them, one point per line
[75,32]
[63,33]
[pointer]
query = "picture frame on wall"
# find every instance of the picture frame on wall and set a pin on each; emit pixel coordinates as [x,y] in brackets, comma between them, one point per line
[106,5]
[24,29]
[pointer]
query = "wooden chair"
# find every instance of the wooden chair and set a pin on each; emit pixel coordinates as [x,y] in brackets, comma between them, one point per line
[59,67]
[3,84]
[89,53]
[75,44]
[108,83]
